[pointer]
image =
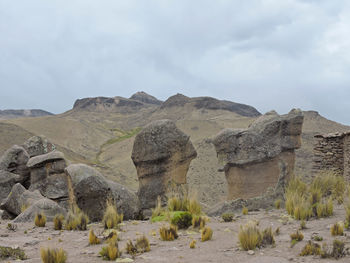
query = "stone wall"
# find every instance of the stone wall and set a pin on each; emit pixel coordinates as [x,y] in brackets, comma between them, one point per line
[332,153]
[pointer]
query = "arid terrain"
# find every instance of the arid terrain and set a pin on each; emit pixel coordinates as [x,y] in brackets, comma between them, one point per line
[224,246]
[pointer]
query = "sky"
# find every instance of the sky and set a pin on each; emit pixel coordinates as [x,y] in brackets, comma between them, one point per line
[270,54]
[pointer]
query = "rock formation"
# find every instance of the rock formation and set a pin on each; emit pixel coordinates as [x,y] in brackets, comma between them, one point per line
[38,145]
[90,190]
[162,155]
[145,98]
[256,159]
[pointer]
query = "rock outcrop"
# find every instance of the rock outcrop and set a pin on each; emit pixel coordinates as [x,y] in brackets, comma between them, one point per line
[145,98]
[7,181]
[256,159]
[162,154]
[14,160]
[90,190]
[38,145]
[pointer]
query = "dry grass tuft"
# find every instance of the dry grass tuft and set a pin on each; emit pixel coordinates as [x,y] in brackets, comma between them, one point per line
[168,233]
[142,244]
[76,219]
[311,248]
[297,236]
[278,203]
[337,251]
[245,210]
[111,218]
[58,221]
[337,229]
[198,222]
[53,255]
[40,220]
[267,237]
[193,243]
[93,239]
[249,236]
[130,248]
[207,234]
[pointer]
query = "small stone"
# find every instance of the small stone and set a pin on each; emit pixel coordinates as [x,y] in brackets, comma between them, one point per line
[124,260]
[31,243]
[251,252]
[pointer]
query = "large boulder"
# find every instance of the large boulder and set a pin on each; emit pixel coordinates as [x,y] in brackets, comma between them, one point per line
[38,145]
[44,205]
[7,181]
[255,159]
[90,190]
[19,199]
[14,160]
[47,175]
[162,155]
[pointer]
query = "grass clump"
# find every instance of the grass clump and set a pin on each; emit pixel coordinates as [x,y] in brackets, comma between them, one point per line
[336,251]
[111,251]
[193,244]
[311,248]
[40,220]
[227,217]
[297,236]
[53,255]
[58,221]
[111,218]
[130,248]
[13,253]
[207,234]
[182,220]
[302,225]
[278,203]
[317,238]
[267,237]
[142,244]
[249,236]
[158,210]
[93,239]
[337,229]
[245,210]
[168,233]
[76,219]
[198,222]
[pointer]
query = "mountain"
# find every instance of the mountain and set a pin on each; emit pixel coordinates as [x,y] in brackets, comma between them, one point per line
[100,131]
[13,114]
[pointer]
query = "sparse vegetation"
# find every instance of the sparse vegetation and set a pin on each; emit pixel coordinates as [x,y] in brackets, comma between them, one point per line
[53,255]
[76,219]
[13,253]
[182,220]
[142,244]
[11,227]
[193,244]
[337,251]
[227,217]
[111,251]
[93,239]
[58,221]
[40,220]
[249,236]
[297,236]
[245,210]
[317,238]
[267,237]
[198,222]
[130,248]
[302,225]
[311,248]
[278,203]
[207,234]
[111,218]
[168,233]
[337,229]
[158,210]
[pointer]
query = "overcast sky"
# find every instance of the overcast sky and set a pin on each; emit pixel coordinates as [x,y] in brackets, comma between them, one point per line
[271,54]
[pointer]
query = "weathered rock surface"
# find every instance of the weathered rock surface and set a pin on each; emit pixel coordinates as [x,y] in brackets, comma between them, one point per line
[145,98]
[19,198]
[38,145]
[162,154]
[14,160]
[254,159]
[90,190]
[44,205]
[47,175]
[7,181]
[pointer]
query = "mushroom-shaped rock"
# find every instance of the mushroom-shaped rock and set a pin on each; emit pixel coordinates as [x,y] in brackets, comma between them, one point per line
[47,175]
[19,199]
[38,145]
[162,155]
[46,206]
[90,190]
[14,160]
[256,158]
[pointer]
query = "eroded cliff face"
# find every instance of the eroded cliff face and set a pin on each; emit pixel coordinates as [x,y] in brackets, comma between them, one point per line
[162,155]
[255,159]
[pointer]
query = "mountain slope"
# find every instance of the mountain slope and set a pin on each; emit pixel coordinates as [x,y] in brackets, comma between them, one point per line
[13,114]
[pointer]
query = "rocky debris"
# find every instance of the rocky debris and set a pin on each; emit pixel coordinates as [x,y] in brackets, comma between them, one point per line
[38,145]
[256,158]
[145,98]
[209,103]
[47,175]
[105,104]
[12,114]
[162,154]
[44,205]
[7,181]
[19,199]
[14,160]
[90,190]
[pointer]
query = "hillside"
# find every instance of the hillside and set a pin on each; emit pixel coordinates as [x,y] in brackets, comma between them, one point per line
[100,131]
[13,114]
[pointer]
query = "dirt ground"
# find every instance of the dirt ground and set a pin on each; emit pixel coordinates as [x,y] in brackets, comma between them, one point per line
[223,247]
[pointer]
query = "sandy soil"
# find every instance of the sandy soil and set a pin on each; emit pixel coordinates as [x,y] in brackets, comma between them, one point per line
[223,247]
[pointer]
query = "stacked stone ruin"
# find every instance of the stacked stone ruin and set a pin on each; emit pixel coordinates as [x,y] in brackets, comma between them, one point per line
[332,153]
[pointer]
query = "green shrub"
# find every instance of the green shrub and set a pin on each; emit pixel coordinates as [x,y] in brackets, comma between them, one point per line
[227,217]
[182,220]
